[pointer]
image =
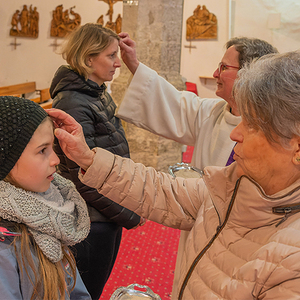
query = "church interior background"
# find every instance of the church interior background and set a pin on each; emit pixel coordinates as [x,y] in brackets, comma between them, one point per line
[159,29]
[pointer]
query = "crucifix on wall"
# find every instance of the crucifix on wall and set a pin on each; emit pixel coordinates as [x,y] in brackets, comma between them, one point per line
[190,46]
[55,45]
[201,25]
[115,26]
[15,44]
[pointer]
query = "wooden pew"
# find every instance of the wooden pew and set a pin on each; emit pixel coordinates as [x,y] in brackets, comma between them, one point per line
[21,89]
[45,99]
[47,104]
[44,96]
[18,89]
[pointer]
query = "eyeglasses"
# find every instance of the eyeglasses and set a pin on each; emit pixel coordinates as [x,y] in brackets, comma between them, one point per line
[222,67]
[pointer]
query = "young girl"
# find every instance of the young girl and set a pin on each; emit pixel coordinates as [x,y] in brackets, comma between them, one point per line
[41,213]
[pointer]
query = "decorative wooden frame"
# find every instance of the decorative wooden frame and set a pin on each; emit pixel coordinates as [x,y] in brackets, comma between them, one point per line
[115,26]
[202,25]
[61,23]
[25,23]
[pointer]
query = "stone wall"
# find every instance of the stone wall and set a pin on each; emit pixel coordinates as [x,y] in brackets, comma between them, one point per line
[156,27]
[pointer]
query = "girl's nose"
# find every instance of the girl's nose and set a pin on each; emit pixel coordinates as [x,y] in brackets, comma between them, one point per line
[54,159]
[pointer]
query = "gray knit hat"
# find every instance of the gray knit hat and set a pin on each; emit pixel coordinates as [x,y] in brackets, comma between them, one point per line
[19,118]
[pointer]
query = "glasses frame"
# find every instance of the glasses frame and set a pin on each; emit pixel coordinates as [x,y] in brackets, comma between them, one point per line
[222,66]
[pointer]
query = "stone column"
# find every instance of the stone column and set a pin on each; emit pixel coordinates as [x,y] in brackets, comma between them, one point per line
[156,27]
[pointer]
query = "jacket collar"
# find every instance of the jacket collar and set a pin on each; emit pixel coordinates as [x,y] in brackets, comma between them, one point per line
[230,118]
[66,79]
[252,207]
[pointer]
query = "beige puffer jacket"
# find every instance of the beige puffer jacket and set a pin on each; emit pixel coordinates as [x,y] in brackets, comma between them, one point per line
[239,247]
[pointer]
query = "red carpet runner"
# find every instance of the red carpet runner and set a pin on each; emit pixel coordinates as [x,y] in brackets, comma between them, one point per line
[147,256]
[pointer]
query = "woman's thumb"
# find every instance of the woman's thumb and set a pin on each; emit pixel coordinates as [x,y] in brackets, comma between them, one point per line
[62,134]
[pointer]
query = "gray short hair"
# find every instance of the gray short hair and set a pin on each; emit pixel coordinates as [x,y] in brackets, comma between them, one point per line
[250,48]
[267,93]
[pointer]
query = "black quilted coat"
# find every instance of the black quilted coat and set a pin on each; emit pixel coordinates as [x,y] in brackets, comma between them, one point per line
[91,106]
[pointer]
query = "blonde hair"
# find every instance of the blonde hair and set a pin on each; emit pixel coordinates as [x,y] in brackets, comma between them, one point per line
[49,278]
[86,41]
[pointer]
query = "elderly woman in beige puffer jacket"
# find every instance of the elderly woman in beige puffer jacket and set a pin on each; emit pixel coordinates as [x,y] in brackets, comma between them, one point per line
[244,220]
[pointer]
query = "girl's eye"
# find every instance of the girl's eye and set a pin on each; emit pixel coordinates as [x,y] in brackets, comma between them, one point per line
[42,151]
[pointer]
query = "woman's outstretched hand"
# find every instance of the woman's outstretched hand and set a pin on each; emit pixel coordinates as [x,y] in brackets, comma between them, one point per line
[71,138]
[128,53]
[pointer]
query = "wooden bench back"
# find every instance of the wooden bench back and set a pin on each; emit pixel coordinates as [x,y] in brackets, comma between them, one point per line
[45,95]
[29,87]
[18,89]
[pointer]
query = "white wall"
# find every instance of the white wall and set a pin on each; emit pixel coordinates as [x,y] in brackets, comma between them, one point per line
[35,59]
[248,18]
[203,60]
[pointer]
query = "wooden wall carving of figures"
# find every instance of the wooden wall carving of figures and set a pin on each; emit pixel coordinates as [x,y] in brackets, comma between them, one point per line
[25,23]
[62,23]
[201,25]
[115,26]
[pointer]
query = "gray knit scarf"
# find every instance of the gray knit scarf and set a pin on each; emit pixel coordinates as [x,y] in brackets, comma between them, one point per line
[54,218]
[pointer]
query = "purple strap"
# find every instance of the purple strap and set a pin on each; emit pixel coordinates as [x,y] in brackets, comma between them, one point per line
[230,159]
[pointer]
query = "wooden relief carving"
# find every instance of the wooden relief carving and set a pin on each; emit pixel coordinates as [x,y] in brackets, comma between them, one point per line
[100,20]
[25,23]
[62,23]
[115,26]
[202,25]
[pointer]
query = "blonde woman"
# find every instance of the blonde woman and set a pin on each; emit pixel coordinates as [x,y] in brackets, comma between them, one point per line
[79,89]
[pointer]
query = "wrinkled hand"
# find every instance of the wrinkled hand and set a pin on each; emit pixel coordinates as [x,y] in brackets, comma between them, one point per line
[128,53]
[71,138]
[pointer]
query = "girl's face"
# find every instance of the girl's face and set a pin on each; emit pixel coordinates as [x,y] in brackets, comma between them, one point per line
[35,168]
[105,63]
